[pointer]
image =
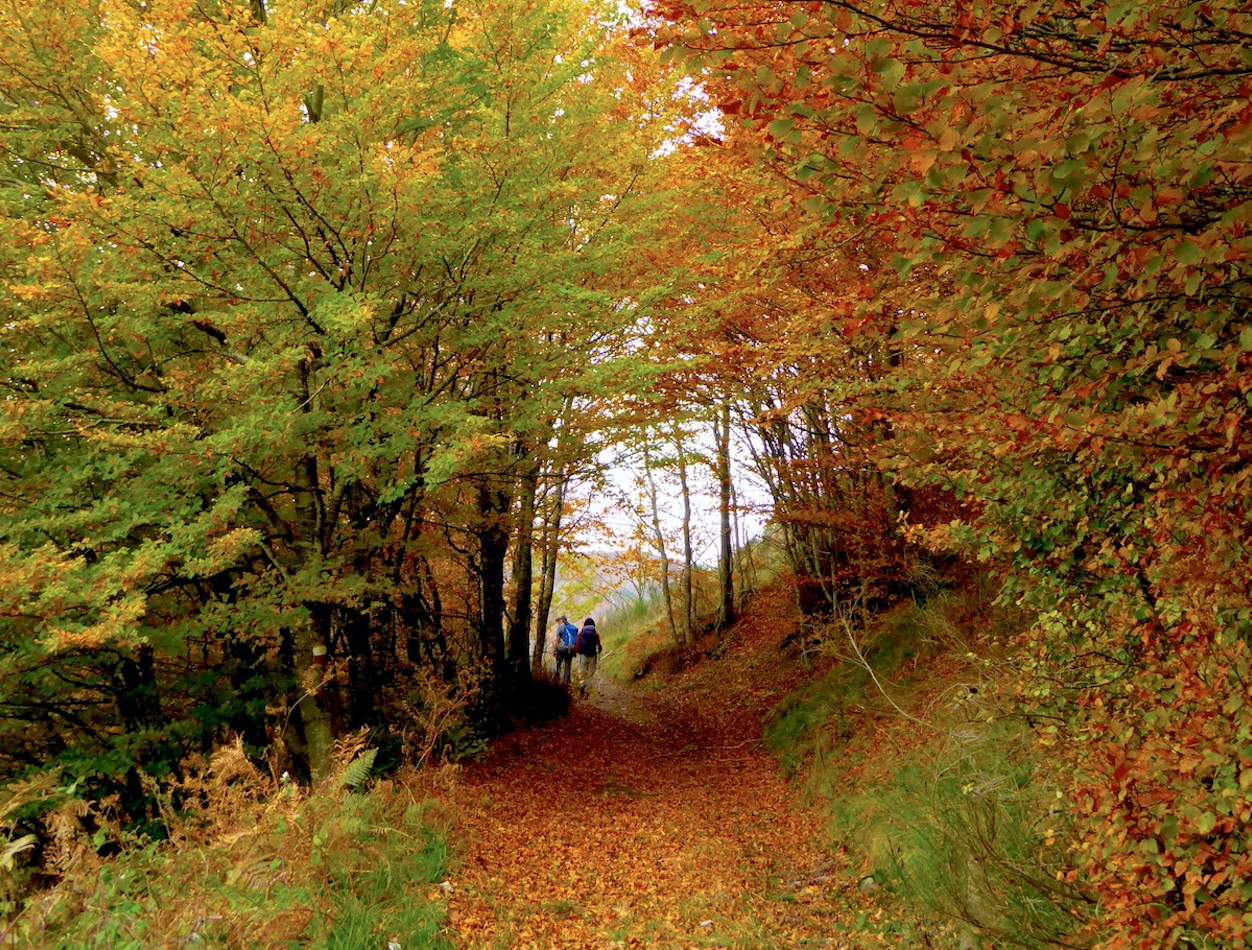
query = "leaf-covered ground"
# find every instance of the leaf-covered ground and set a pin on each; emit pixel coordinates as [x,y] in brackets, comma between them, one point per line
[653,817]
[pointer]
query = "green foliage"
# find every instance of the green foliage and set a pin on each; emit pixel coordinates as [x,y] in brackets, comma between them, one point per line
[358,769]
[376,886]
[279,339]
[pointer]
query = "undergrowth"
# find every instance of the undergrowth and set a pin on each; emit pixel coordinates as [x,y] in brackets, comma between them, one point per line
[931,781]
[259,864]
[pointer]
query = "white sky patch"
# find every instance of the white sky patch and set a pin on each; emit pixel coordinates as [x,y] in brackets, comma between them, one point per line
[623,508]
[688,88]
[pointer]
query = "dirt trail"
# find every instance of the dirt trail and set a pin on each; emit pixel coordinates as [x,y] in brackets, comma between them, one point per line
[650,818]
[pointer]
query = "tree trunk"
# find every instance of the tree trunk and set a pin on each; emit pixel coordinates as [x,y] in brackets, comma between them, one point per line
[666,594]
[689,611]
[493,552]
[315,723]
[725,561]
[312,640]
[547,584]
[135,690]
[523,575]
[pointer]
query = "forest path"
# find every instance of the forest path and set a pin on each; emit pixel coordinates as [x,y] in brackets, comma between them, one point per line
[652,817]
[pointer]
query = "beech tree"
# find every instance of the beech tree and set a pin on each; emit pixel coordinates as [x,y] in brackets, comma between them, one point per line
[1059,192]
[294,297]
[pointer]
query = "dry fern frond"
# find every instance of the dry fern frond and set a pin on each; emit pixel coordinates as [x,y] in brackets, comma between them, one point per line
[351,760]
[70,855]
[441,707]
[29,790]
[8,856]
[231,762]
[347,749]
[313,679]
[66,822]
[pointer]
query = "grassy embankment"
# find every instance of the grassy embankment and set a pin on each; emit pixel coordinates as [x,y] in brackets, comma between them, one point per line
[905,728]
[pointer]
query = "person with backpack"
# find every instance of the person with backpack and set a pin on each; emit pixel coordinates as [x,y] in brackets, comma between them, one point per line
[588,652]
[566,647]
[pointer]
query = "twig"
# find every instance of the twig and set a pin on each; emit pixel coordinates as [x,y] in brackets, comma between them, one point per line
[865,665]
[687,750]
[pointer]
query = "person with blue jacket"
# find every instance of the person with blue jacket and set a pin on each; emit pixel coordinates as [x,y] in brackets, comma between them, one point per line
[566,647]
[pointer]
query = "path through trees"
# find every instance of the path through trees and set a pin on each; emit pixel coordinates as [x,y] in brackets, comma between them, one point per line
[652,817]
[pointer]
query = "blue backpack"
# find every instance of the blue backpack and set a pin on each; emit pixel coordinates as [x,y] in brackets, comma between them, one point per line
[568,637]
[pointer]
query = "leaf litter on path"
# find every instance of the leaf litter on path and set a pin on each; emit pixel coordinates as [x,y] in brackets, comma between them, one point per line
[651,820]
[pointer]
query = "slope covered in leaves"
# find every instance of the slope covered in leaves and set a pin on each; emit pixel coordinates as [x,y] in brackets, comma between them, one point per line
[653,817]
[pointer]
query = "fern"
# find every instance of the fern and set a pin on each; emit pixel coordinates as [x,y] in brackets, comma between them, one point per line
[13,848]
[357,771]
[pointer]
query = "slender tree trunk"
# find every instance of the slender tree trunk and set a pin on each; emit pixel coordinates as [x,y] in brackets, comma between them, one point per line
[745,549]
[689,607]
[369,669]
[667,594]
[547,584]
[493,552]
[523,575]
[725,561]
[312,638]
[312,641]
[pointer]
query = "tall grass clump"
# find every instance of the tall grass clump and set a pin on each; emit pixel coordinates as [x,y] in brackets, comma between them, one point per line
[630,631]
[974,834]
[255,863]
[964,819]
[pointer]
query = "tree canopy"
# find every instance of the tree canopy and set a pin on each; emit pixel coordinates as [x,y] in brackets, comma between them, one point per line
[313,311]
[294,300]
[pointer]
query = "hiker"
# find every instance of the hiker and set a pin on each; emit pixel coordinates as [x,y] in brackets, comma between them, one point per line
[588,652]
[566,647]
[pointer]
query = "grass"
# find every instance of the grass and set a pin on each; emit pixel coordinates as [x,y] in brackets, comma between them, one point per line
[622,629]
[970,834]
[637,636]
[939,794]
[825,713]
